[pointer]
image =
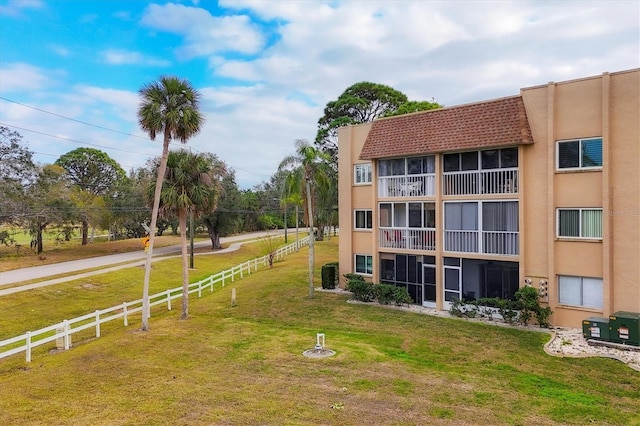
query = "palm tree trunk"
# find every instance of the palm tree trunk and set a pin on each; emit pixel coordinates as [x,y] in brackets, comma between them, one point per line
[311,238]
[182,218]
[146,312]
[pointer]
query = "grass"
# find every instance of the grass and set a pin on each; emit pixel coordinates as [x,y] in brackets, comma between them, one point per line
[243,365]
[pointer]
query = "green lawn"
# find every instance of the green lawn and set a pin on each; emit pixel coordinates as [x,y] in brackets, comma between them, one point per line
[243,365]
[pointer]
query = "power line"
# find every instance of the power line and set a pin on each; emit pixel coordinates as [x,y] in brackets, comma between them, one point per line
[72,140]
[72,119]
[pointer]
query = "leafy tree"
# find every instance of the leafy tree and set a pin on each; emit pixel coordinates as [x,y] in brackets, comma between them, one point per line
[49,203]
[226,218]
[127,208]
[362,103]
[413,106]
[307,174]
[169,106]
[189,188]
[359,103]
[17,172]
[95,176]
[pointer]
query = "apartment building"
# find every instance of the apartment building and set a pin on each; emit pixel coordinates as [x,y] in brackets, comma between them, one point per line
[478,200]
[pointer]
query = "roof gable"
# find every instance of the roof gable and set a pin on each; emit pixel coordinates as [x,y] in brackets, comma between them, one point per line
[499,122]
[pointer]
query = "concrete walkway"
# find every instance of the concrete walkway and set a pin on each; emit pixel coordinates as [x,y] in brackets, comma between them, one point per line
[105,263]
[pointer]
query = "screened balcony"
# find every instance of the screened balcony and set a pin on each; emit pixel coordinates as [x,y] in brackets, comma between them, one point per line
[407,238]
[483,242]
[473,182]
[406,177]
[484,227]
[406,186]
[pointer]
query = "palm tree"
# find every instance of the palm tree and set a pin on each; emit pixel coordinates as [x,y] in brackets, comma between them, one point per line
[189,188]
[308,173]
[168,106]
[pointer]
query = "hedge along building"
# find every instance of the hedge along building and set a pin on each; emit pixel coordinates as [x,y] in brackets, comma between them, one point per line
[478,200]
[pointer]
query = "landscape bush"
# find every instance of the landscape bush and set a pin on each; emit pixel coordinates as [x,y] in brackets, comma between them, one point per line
[329,275]
[523,309]
[384,294]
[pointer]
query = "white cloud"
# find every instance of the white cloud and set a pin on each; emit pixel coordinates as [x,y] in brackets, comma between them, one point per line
[18,77]
[204,34]
[124,57]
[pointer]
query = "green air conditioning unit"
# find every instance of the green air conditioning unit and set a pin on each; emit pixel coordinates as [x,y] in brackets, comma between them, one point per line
[595,328]
[624,327]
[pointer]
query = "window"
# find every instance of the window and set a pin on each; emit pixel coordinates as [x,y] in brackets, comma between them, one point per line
[412,215]
[460,216]
[364,264]
[580,154]
[580,223]
[363,219]
[362,173]
[407,166]
[580,291]
[499,158]
[393,167]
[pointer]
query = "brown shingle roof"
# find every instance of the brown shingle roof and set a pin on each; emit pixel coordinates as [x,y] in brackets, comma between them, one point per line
[493,123]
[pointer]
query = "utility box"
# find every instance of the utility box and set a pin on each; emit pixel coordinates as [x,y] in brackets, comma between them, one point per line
[595,328]
[624,327]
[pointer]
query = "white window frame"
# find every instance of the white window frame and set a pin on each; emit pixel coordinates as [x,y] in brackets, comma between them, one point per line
[580,166]
[362,172]
[582,284]
[368,262]
[355,219]
[580,211]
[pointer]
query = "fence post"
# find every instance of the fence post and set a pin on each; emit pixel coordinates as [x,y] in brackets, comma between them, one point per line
[124,314]
[241,276]
[28,351]
[97,323]
[169,300]
[199,289]
[223,274]
[211,283]
[65,327]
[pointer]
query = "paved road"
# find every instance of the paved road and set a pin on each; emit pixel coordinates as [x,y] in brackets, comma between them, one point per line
[128,259]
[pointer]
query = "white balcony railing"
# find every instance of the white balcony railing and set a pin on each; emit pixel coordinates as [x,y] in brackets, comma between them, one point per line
[406,186]
[408,238]
[500,242]
[493,242]
[494,181]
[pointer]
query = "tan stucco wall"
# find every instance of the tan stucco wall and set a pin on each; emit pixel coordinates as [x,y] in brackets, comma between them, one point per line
[606,106]
[350,196]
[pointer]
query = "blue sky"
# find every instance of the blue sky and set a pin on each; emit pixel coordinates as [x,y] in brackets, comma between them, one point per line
[70,69]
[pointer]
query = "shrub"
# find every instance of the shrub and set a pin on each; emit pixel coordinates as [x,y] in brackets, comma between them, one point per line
[401,296]
[508,310]
[463,309]
[362,290]
[385,293]
[329,275]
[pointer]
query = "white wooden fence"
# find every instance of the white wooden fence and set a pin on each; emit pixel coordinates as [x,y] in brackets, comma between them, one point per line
[62,331]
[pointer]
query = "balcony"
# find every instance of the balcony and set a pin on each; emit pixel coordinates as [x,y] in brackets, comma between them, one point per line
[484,242]
[407,238]
[407,186]
[493,181]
